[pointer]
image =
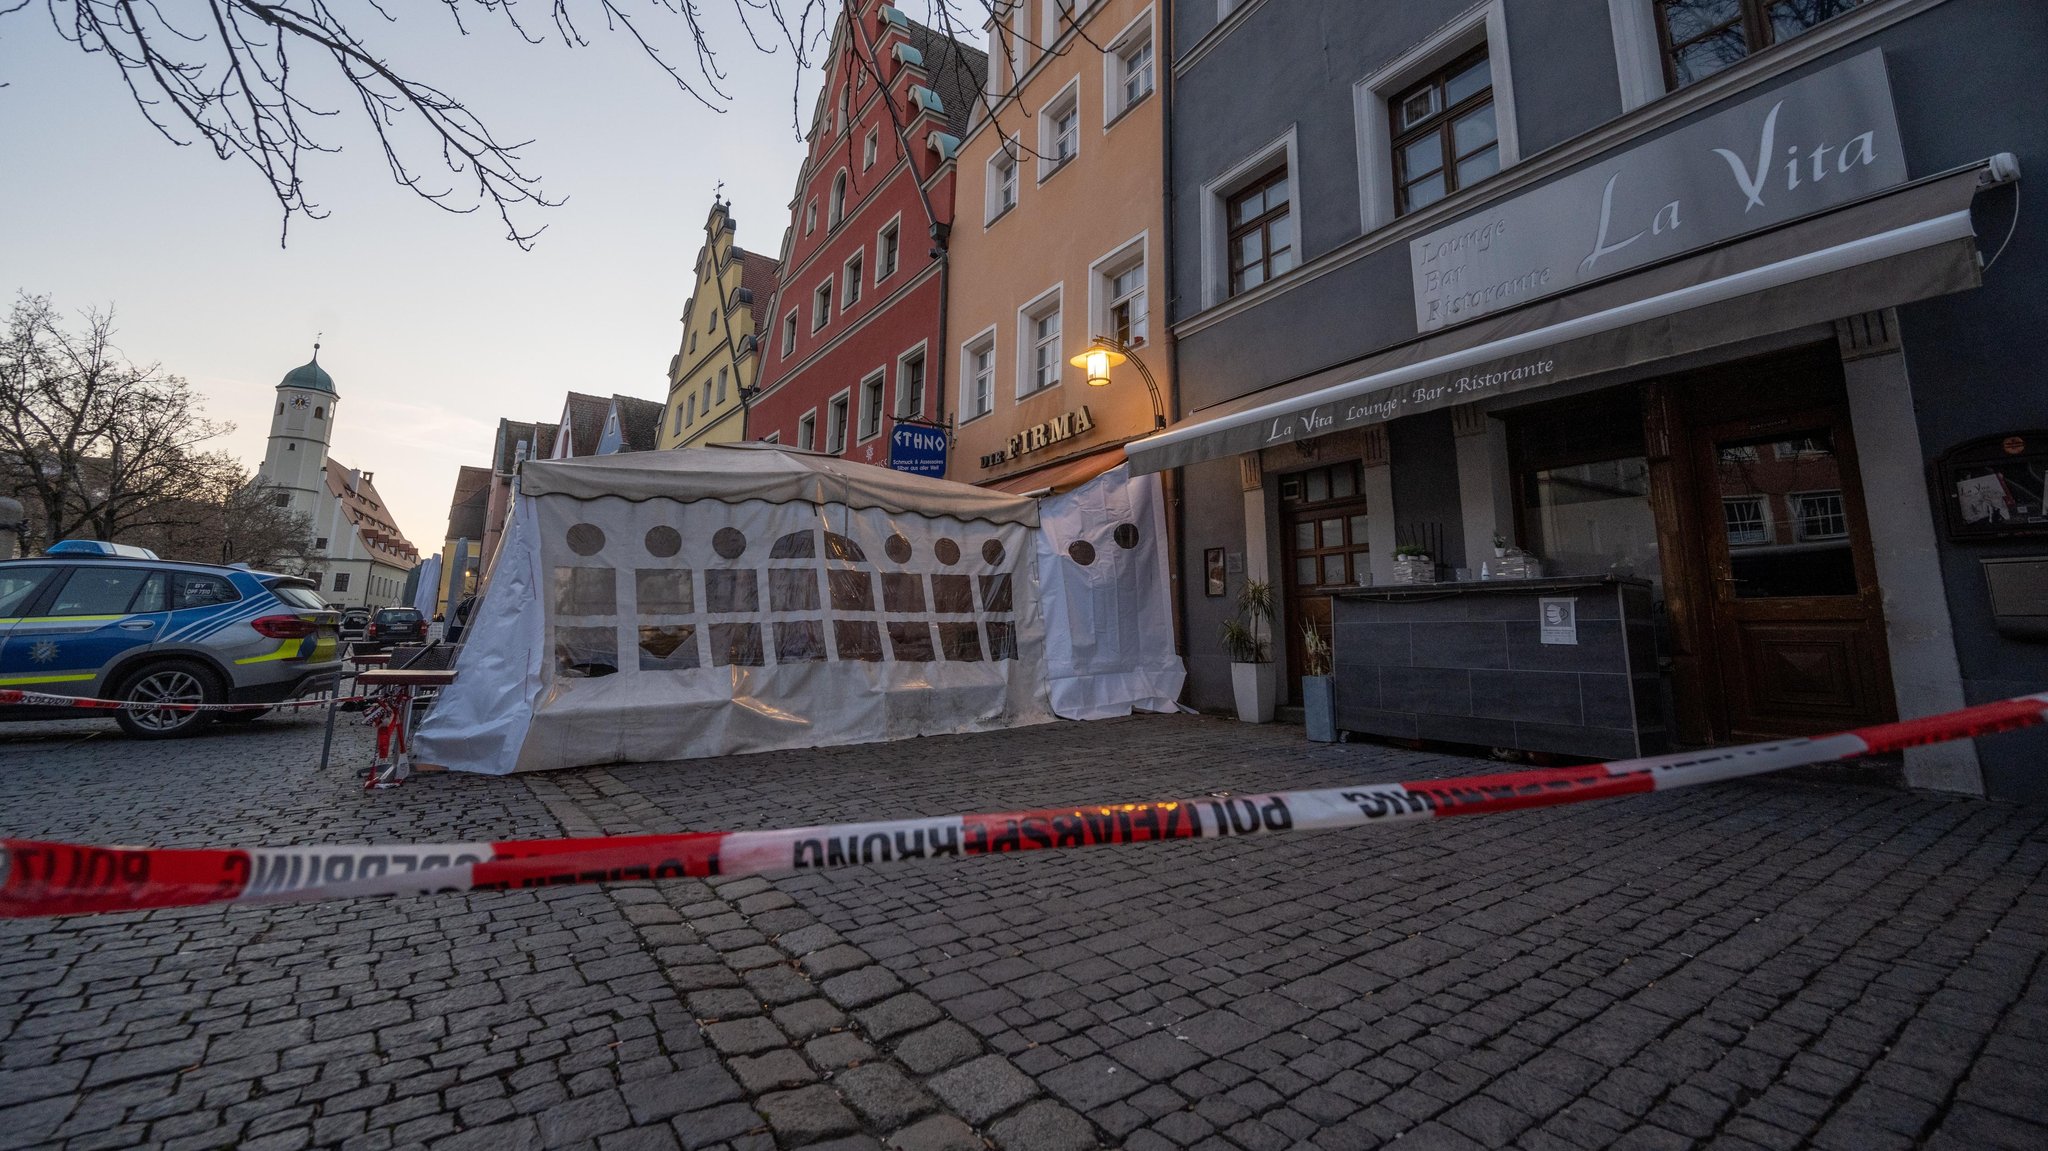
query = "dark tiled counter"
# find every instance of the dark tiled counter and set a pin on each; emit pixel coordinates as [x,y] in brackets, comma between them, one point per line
[1466,663]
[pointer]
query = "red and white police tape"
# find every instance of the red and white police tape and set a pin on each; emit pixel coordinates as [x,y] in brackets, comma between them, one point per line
[47,699]
[66,879]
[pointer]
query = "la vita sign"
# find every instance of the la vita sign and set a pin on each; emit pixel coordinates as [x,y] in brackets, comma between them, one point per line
[1819,142]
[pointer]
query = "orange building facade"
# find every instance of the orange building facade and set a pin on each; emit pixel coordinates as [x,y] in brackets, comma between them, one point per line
[1059,237]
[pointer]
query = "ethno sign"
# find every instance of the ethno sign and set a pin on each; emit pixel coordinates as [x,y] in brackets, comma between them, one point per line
[1039,436]
[1819,142]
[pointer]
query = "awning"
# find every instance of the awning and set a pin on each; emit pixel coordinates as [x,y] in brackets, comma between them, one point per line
[1909,244]
[1062,476]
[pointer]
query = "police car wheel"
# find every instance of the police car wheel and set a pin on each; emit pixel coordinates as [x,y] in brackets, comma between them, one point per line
[161,686]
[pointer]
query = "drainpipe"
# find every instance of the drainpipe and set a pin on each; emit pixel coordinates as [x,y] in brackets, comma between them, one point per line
[1176,480]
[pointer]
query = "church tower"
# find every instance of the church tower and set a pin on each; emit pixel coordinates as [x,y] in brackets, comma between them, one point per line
[301,427]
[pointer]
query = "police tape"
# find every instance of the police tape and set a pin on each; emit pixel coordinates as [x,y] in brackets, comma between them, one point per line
[43,878]
[18,698]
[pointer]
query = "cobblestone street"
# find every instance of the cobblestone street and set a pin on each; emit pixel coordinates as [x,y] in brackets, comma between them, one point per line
[1785,962]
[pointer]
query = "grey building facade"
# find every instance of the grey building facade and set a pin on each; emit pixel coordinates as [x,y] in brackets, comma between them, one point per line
[1734,299]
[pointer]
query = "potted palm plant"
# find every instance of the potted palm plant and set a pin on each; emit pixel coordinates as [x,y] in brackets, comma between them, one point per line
[1318,688]
[1247,637]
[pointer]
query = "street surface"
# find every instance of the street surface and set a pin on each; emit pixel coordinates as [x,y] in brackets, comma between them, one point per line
[1777,963]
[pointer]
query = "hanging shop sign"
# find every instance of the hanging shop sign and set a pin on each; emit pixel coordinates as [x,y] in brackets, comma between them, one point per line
[1817,143]
[918,449]
[1040,436]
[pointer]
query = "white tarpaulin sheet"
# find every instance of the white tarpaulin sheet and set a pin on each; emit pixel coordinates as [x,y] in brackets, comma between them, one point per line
[1108,604]
[428,593]
[676,625]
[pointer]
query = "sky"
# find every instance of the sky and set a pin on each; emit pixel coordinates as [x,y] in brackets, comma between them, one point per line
[433,325]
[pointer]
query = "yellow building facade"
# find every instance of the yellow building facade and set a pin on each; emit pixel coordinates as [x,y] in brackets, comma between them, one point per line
[1059,237]
[719,355]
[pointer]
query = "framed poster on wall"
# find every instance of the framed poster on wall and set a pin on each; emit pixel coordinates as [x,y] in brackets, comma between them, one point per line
[1995,487]
[1214,583]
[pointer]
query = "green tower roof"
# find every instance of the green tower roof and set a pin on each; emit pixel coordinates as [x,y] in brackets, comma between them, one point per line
[309,375]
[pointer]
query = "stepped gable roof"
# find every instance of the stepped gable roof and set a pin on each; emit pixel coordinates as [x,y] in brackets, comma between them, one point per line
[370,515]
[466,510]
[639,423]
[959,72]
[586,422]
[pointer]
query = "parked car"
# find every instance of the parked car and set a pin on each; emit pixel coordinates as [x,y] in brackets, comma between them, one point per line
[391,626]
[355,623]
[96,625]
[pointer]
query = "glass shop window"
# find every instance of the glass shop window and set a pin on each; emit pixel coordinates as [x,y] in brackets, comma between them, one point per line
[1582,485]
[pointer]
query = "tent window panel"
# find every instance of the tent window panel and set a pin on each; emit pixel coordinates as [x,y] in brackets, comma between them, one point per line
[792,589]
[952,594]
[586,651]
[995,592]
[961,641]
[586,591]
[911,642]
[841,548]
[736,644]
[732,591]
[800,641]
[851,591]
[1002,639]
[801,545]
[663,591]
[668,648]
[858,639]
[902,592]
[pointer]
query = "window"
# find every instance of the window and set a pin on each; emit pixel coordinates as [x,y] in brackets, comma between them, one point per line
[98,591]
[910,386]
[692,417]
[282,500]
[851,279]
[191,590]
[319,413]
[789,333]
[886,244]
[772,438]
[838,213]
[1444,135]
[1261,231]
[1127,308]
[1698,38]
[1582,482]
[807,431]
[869,148]
[821,306]
[1747,521]
[721,384]
[320,543]
[845,95]
[810,217]
[340,581]
[1128,69]
[1059,130]
[17,584]
[676,428]
[693,343]
[1002,181]
[1058,16]
[835,424]
[978,385]
[871,406]
[1820,516]
[1041,343]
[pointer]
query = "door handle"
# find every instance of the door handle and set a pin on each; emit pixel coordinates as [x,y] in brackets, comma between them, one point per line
[139,625]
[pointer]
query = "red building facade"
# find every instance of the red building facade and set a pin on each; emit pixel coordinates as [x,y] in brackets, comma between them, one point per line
[854,342]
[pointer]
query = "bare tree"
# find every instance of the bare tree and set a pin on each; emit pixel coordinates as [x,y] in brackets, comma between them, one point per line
[235,75]
[232,517]
[92,444]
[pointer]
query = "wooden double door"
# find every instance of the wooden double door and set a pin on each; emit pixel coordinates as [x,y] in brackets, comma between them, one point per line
[1771,589]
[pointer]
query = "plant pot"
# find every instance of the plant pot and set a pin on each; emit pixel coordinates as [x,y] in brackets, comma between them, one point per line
[1499,552]
[1319,702]
[1257,687]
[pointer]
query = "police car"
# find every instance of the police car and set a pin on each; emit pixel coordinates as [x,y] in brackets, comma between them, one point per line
[110,621]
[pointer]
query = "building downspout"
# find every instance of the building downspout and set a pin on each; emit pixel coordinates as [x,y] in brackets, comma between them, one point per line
[1176,480]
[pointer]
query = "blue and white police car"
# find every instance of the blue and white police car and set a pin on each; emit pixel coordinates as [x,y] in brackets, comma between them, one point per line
[109,621]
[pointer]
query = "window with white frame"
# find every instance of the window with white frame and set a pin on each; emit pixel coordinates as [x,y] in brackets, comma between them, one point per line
[1260,240]
[789,333]
[844,95]
[835,424]
[869,148]
[810,217]
[1698,38]
[1819,516]
[676,425]
[887,241]
[855,267]
[1436,119]
[821,306]
[910,386]
[807,431]
[1057,16]
[978,377]
[721,384]
[1039,339]
[1128,69]
[871,406]
[1747,521]
[838,213]
[1002,180]
[1059,130]
[1126,314]
[692,418]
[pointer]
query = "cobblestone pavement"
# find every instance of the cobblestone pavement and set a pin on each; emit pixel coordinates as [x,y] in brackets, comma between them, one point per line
[1777,963]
